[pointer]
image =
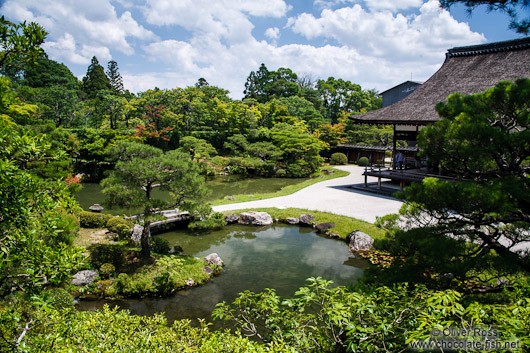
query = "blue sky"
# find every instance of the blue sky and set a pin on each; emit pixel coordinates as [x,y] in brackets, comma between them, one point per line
[172,43]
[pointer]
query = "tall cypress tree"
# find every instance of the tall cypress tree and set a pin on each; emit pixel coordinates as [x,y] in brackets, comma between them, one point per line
[95,79]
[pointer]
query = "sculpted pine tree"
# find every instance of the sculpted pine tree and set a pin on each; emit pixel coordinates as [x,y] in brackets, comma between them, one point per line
[140,169]
[480,221]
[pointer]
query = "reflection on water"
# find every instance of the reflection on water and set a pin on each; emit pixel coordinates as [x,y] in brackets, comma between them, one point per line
[220,186]
[280,257]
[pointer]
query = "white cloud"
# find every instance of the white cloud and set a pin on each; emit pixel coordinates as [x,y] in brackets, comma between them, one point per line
[65,47]
[375,48]
[226,19]
[374,5]
[392,5]
[428,33]
[176,53]
[272,33]
[79,30]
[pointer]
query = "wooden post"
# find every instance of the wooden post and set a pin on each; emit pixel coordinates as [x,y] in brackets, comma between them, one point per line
[394,142]
[365,177]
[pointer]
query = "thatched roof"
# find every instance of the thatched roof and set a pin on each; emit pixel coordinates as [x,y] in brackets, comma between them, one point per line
[466,70]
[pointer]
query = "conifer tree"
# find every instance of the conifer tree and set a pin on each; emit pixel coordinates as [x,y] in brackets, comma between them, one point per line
[114,76]
[95,79]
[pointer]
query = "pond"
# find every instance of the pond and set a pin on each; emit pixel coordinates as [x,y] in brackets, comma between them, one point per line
[280,257]
[221,187]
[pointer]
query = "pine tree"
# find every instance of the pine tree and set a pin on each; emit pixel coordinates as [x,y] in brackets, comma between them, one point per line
[115,79]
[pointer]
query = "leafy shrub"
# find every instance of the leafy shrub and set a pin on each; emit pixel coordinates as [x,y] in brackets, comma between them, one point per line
[93,220]
[215,221]
[363,161]
[107,270]
[299,170]
[120,226]
[338,159]
[160,245]
[60,219]
[59,298]
[107,253]
[110,330]
[281,173]
[264,168]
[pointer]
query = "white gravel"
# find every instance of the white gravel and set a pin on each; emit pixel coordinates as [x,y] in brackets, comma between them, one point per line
[332,196]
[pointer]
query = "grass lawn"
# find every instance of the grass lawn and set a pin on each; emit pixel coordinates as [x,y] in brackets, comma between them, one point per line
[288,190]
[343,225]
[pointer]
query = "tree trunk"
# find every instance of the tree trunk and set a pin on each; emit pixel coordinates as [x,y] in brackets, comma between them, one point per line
[146,239]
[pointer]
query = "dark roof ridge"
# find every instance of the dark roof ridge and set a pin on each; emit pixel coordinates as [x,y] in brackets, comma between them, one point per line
[493,47]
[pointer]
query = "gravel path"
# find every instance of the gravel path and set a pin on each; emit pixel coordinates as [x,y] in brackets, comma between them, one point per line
[332,196]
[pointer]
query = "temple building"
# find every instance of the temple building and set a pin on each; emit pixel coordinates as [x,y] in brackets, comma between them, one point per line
[467,70]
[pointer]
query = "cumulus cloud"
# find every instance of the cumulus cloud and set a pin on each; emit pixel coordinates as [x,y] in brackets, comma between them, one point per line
[226,19]
[376,5]
[358,41]
[428,33]
[79,30]
[272,33]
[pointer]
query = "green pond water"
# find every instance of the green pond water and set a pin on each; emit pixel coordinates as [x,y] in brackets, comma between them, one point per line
[221,186]
[279,256]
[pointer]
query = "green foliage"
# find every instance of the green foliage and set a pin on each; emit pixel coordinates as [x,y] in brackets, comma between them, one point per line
[32,249]
[94,220]
[197,148]
[161,246]
[363,161]
[19,43]
[214,221]
[281,173]
[321,318]
[339,95]
[167,275]
[368,134]
[95,79]
[45,72]
[140,169]
[457,227]
[120,226]
[115,79]
[107,270]
[236,144]
[107,253]
[58,298]
[300,150]
[338,158]
[115,330]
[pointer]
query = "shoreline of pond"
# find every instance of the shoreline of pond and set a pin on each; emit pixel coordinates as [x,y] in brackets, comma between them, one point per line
[266,272]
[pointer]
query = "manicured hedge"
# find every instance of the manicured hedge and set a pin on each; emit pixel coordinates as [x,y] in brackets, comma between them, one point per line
[93,220]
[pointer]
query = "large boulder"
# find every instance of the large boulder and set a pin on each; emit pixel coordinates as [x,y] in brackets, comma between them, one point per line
[359,241]
[322,227]
[85,277]
[231,218]
[136,233]
[292,220]
[213,259]
[306,219]
[255,218]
